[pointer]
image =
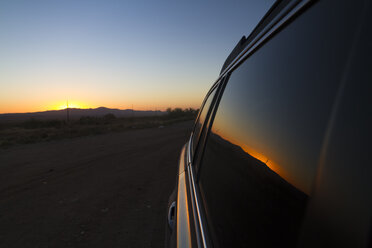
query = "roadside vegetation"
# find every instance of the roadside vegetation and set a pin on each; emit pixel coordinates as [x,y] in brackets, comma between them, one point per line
[34,130]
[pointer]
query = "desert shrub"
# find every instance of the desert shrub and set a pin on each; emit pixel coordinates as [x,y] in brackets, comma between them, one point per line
[36,130]
[189,113]
[88,120]
[33,124]
[5,143]
[109,116]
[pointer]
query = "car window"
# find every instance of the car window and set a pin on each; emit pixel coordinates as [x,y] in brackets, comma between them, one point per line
[261,154]
[202,116]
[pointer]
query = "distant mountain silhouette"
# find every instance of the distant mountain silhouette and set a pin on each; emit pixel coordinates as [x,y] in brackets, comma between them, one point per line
[76,113]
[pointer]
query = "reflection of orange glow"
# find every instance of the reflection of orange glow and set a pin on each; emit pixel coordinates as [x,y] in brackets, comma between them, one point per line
[279,154]
[271,164]
[259,156]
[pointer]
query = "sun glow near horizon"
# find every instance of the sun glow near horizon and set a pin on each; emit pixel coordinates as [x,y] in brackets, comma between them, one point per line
[70,104]
[99,53]
[30,107]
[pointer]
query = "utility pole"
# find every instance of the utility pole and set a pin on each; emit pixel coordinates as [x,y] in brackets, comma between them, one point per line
[68,114]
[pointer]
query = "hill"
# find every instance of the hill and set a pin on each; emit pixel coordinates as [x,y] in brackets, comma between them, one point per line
[76,113]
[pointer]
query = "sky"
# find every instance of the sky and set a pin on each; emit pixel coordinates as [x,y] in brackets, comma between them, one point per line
[118,54]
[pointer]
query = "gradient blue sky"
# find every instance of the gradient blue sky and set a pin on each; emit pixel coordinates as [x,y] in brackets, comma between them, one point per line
[152,54]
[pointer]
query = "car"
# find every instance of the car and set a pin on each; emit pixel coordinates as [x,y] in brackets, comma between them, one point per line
[279,155]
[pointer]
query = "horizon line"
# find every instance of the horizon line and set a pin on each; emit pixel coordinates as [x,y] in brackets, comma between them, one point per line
[156,110]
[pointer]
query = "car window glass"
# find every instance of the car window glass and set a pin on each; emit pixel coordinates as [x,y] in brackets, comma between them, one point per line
[202,116]
[261,155]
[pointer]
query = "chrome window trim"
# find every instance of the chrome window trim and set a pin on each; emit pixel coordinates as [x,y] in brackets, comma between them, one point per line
[189,147]
[194,200]
[198,230]
[214,87]
[275,24]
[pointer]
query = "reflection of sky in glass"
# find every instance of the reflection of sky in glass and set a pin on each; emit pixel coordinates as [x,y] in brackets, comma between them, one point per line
[116,53]
[276,106]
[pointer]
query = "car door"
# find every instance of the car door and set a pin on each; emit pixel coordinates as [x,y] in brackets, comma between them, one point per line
[255,170]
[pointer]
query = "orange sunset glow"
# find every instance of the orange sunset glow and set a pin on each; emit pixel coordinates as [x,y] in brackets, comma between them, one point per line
[72,104]
[142,101]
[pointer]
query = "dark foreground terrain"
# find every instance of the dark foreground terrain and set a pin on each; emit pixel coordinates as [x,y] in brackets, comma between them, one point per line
[98,191]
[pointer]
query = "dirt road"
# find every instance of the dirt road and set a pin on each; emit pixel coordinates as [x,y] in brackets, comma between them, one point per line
[100,191]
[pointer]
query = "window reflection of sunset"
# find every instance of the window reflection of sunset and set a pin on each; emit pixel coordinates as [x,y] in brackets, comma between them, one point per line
[258,154]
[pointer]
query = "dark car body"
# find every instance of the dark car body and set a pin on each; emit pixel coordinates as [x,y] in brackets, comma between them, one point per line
[280,152]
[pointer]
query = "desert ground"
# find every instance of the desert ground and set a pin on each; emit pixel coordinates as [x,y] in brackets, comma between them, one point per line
[108,190]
